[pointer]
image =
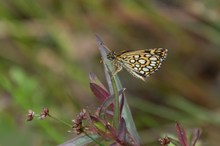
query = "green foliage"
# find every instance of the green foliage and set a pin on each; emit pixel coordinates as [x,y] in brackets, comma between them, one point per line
[48,48]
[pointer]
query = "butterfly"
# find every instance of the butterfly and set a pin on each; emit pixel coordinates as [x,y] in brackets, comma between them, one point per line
[140,63]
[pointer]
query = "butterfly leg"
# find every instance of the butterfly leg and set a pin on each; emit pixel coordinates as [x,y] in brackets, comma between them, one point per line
[101,60]
[117,67]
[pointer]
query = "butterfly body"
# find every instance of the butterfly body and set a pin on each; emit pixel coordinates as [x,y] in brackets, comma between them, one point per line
[140,63]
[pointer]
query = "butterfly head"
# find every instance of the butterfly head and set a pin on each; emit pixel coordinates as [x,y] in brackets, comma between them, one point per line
[112,55]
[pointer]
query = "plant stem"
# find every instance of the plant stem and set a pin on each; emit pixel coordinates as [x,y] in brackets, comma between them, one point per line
[93,139]
[61,121]
[116,109]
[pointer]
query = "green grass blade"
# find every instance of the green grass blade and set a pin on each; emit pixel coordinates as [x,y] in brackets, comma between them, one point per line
[126,113]
[80,140]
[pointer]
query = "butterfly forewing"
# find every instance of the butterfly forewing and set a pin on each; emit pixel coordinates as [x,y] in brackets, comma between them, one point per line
[142,63]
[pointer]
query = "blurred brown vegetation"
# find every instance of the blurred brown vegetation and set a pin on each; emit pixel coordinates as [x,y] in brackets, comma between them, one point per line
[48,48]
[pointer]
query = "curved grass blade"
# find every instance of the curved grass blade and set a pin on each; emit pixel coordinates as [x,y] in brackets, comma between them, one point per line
[126,113]
[80,140]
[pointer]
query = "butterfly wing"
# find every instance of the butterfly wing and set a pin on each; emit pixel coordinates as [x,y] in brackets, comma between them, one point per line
[142,63]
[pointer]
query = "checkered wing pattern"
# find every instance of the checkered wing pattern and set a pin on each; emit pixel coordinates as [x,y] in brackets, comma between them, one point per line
[142,63]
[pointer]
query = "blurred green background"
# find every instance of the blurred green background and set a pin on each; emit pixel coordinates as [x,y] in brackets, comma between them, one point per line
[48,48]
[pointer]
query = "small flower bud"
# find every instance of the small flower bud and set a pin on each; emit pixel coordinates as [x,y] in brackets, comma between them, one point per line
[30,115]
[44,113]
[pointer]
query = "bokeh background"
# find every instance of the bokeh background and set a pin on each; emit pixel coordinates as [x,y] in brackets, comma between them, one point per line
[48,48]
